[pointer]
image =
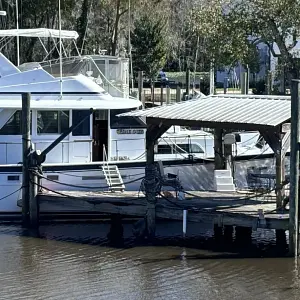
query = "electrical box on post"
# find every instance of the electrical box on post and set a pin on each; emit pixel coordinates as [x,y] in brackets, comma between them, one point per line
[229,139]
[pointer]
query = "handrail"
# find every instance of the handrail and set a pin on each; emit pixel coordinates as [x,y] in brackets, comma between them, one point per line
[105,163]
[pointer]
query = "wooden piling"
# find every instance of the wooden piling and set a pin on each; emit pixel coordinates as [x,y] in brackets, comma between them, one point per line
[26,142]
[218,232]
[225,85]
[161,94]
[269,83]
[244,83]
[187,81]
[248,79]
[212,79]
[33,200]
[243,235]
[294,170]
[228,233]
[116,231]
[168,95]
[140,87]
[178,93]
[279,164]
[152,91]
[150,187]
[281,238]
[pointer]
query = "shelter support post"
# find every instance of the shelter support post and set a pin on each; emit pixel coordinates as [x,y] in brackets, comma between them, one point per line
[153,133]
[294,171]
[218,149]
[277,140]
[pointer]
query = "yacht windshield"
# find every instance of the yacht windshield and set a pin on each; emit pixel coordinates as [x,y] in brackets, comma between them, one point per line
[125,122]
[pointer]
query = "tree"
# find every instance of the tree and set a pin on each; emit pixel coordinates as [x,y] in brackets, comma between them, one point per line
[149,46]
[82,23]
[231,27]
[272,22]
[225,43]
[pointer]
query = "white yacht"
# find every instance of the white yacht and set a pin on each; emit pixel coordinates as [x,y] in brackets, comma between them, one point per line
[102,145]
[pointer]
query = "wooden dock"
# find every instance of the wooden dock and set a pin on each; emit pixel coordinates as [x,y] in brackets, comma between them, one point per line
[221,209]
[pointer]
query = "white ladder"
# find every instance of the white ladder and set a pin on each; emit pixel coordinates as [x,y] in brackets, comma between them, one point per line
[112,175]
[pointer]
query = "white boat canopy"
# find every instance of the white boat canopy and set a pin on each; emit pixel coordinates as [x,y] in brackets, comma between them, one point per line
[40,33]
[68,102]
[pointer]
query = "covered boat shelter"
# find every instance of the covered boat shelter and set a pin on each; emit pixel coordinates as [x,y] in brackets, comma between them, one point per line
[266,114]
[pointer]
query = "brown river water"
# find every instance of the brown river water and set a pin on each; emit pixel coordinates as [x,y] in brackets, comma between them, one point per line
[76,261]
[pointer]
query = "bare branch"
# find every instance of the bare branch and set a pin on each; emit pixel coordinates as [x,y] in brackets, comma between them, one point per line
[123,12]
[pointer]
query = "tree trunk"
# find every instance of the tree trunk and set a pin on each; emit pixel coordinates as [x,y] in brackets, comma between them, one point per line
[152,91]
[82,24]
[115,36]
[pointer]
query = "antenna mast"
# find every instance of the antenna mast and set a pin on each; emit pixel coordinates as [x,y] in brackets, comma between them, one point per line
[129,45]
[60,48]
[18,38]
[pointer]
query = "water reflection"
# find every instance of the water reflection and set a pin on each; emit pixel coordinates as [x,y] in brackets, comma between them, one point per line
[74,262]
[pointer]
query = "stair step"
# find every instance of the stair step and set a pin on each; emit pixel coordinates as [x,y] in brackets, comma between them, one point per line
[109,168]
[224,180]
[225,188]
[222,173]
[112,173]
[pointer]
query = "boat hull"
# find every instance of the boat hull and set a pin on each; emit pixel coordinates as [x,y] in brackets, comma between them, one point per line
[193,176]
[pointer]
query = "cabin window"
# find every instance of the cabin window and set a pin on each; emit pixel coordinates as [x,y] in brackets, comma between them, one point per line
[52,122]
[188,148]
[124,122]
[196,148]
[114,70]
[99,64]
[164,149]
[179,148]
[14,125]
[84,128]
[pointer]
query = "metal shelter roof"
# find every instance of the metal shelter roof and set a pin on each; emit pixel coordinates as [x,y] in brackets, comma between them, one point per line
[243,111]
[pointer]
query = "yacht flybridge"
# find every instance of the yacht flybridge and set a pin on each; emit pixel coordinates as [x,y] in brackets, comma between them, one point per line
[53,112]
